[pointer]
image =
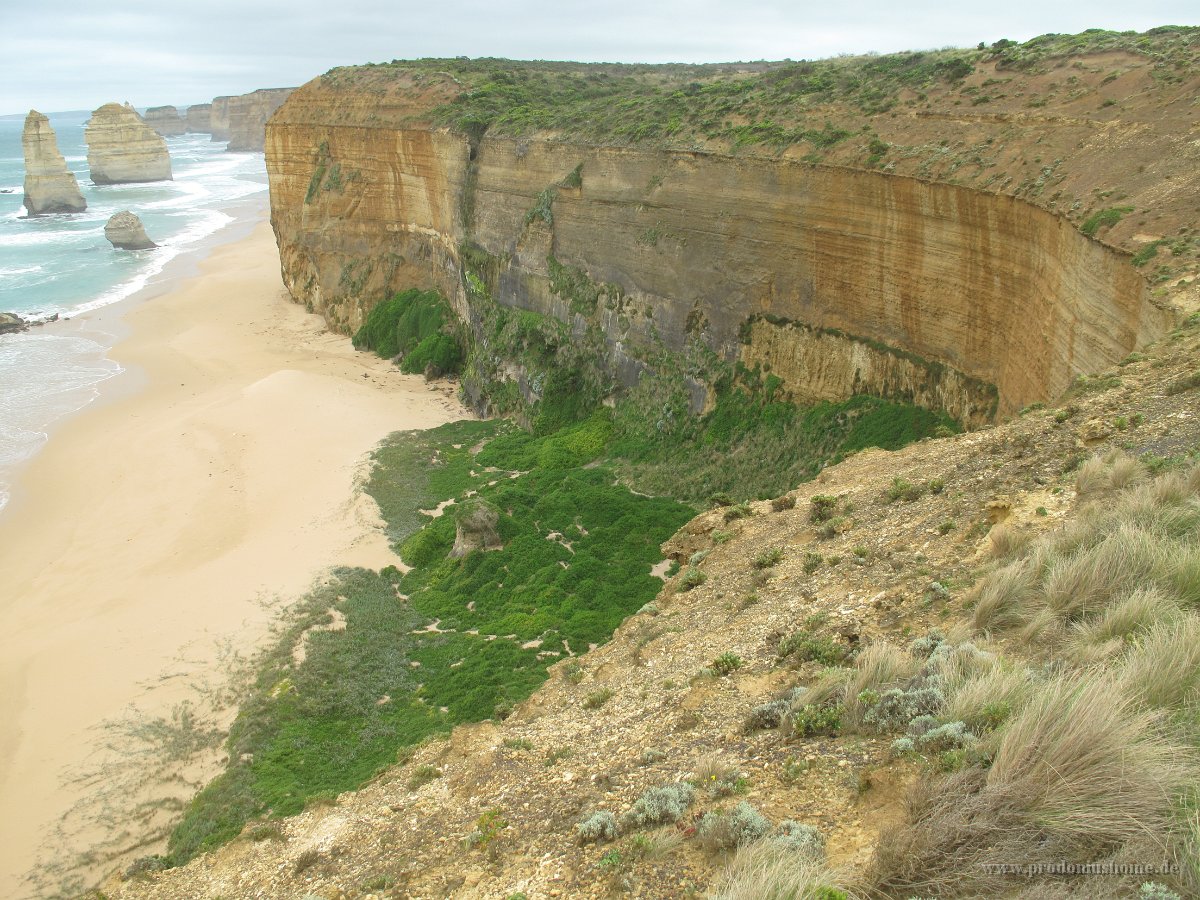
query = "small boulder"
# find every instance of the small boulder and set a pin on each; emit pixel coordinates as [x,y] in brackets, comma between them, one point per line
[476,528]
[10,323]
[125,232]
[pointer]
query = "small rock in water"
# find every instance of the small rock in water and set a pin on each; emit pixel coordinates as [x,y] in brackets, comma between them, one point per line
[11,323]
[125,232]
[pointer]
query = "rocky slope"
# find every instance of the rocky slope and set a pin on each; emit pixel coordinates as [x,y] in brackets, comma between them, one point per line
[892,570]
[166,120]
[933,251]
[248,116]
[124,149]
[199,118]
[50,187]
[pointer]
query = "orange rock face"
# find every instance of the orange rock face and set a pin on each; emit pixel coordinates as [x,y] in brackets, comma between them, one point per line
[844,280]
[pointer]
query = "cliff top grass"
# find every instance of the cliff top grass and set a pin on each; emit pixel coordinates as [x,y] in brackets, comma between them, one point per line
[768,103]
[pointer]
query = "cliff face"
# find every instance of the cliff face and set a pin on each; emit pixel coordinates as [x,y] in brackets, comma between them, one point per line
[219,118]
[122,148]
[166,121]
[248,116]
[199,118]
[844,281]
[50,187]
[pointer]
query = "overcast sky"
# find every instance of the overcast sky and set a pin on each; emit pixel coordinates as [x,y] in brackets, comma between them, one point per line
[78,54]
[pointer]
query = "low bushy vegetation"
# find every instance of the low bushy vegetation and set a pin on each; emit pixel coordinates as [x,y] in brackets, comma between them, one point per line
[575,557]
[419,328]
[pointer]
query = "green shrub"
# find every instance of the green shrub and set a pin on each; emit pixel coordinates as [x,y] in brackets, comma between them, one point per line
[661,805]
[726,663]
[768,558]
[597,699]
[417,325]
[807,647]
[599,826]
[692,578]
[812,719]
[720,830]
[1105,218]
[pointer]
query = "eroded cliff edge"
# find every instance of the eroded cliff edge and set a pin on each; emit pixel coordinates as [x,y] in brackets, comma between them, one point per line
[844,279]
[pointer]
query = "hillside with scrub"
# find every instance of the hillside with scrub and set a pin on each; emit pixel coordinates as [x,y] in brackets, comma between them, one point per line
[842,553]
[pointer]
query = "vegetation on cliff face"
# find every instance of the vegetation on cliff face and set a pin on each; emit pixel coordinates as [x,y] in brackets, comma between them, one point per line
[418,327]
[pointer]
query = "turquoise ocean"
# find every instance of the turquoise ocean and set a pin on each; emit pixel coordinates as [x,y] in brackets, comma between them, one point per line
[62,265]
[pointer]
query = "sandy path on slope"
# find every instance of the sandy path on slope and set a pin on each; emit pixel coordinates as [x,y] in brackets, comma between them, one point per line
[217,471]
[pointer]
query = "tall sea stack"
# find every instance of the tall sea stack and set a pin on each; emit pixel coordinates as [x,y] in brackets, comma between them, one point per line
[199,118]
[123,149]
[248,116]
[166,121]
[50,187]
[219,118]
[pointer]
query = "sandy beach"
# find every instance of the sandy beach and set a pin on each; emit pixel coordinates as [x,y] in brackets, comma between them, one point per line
[214,479]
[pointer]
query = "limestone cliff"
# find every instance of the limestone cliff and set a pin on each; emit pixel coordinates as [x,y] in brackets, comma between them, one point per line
[50,187]
[122,148]
[199,118]
[166,121]
[248,116]
[843,278]
[219,118]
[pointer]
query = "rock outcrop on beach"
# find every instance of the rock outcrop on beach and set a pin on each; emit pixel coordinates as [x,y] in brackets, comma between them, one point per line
[123,149]
[50,187]
[199,118]
[248,116]
[166,120]
[218,118]
[11,323]
[125,231]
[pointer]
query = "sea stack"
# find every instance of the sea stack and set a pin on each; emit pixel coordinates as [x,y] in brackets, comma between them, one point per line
[218,119]
[50,187]
[166,121]
[125,232]
[248,116]
[123,149]
[199,118]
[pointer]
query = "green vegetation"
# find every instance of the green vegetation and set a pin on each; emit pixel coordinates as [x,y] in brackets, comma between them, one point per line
[576,557]
[749,445]
[1105,218]
[417,326]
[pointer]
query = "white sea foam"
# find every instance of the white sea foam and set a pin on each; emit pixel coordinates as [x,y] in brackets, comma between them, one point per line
[43,377]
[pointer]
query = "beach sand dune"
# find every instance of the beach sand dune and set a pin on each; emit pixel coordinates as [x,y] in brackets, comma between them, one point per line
[215,475]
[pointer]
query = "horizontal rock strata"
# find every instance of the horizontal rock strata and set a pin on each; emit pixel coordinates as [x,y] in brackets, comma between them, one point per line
[123,149]
[166,121]
[50,187]
[953,296]
[199,118]
[248,116]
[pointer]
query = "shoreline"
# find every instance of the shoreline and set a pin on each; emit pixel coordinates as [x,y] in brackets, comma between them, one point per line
[213,478]
[104,324]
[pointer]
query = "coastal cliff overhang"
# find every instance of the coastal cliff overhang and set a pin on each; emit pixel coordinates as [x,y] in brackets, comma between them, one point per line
[955,296]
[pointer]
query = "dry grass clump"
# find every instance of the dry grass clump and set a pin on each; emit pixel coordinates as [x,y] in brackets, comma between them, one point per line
[1102,475]
[1082,771]
[1091,758]
[1094,585]
[767,871]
